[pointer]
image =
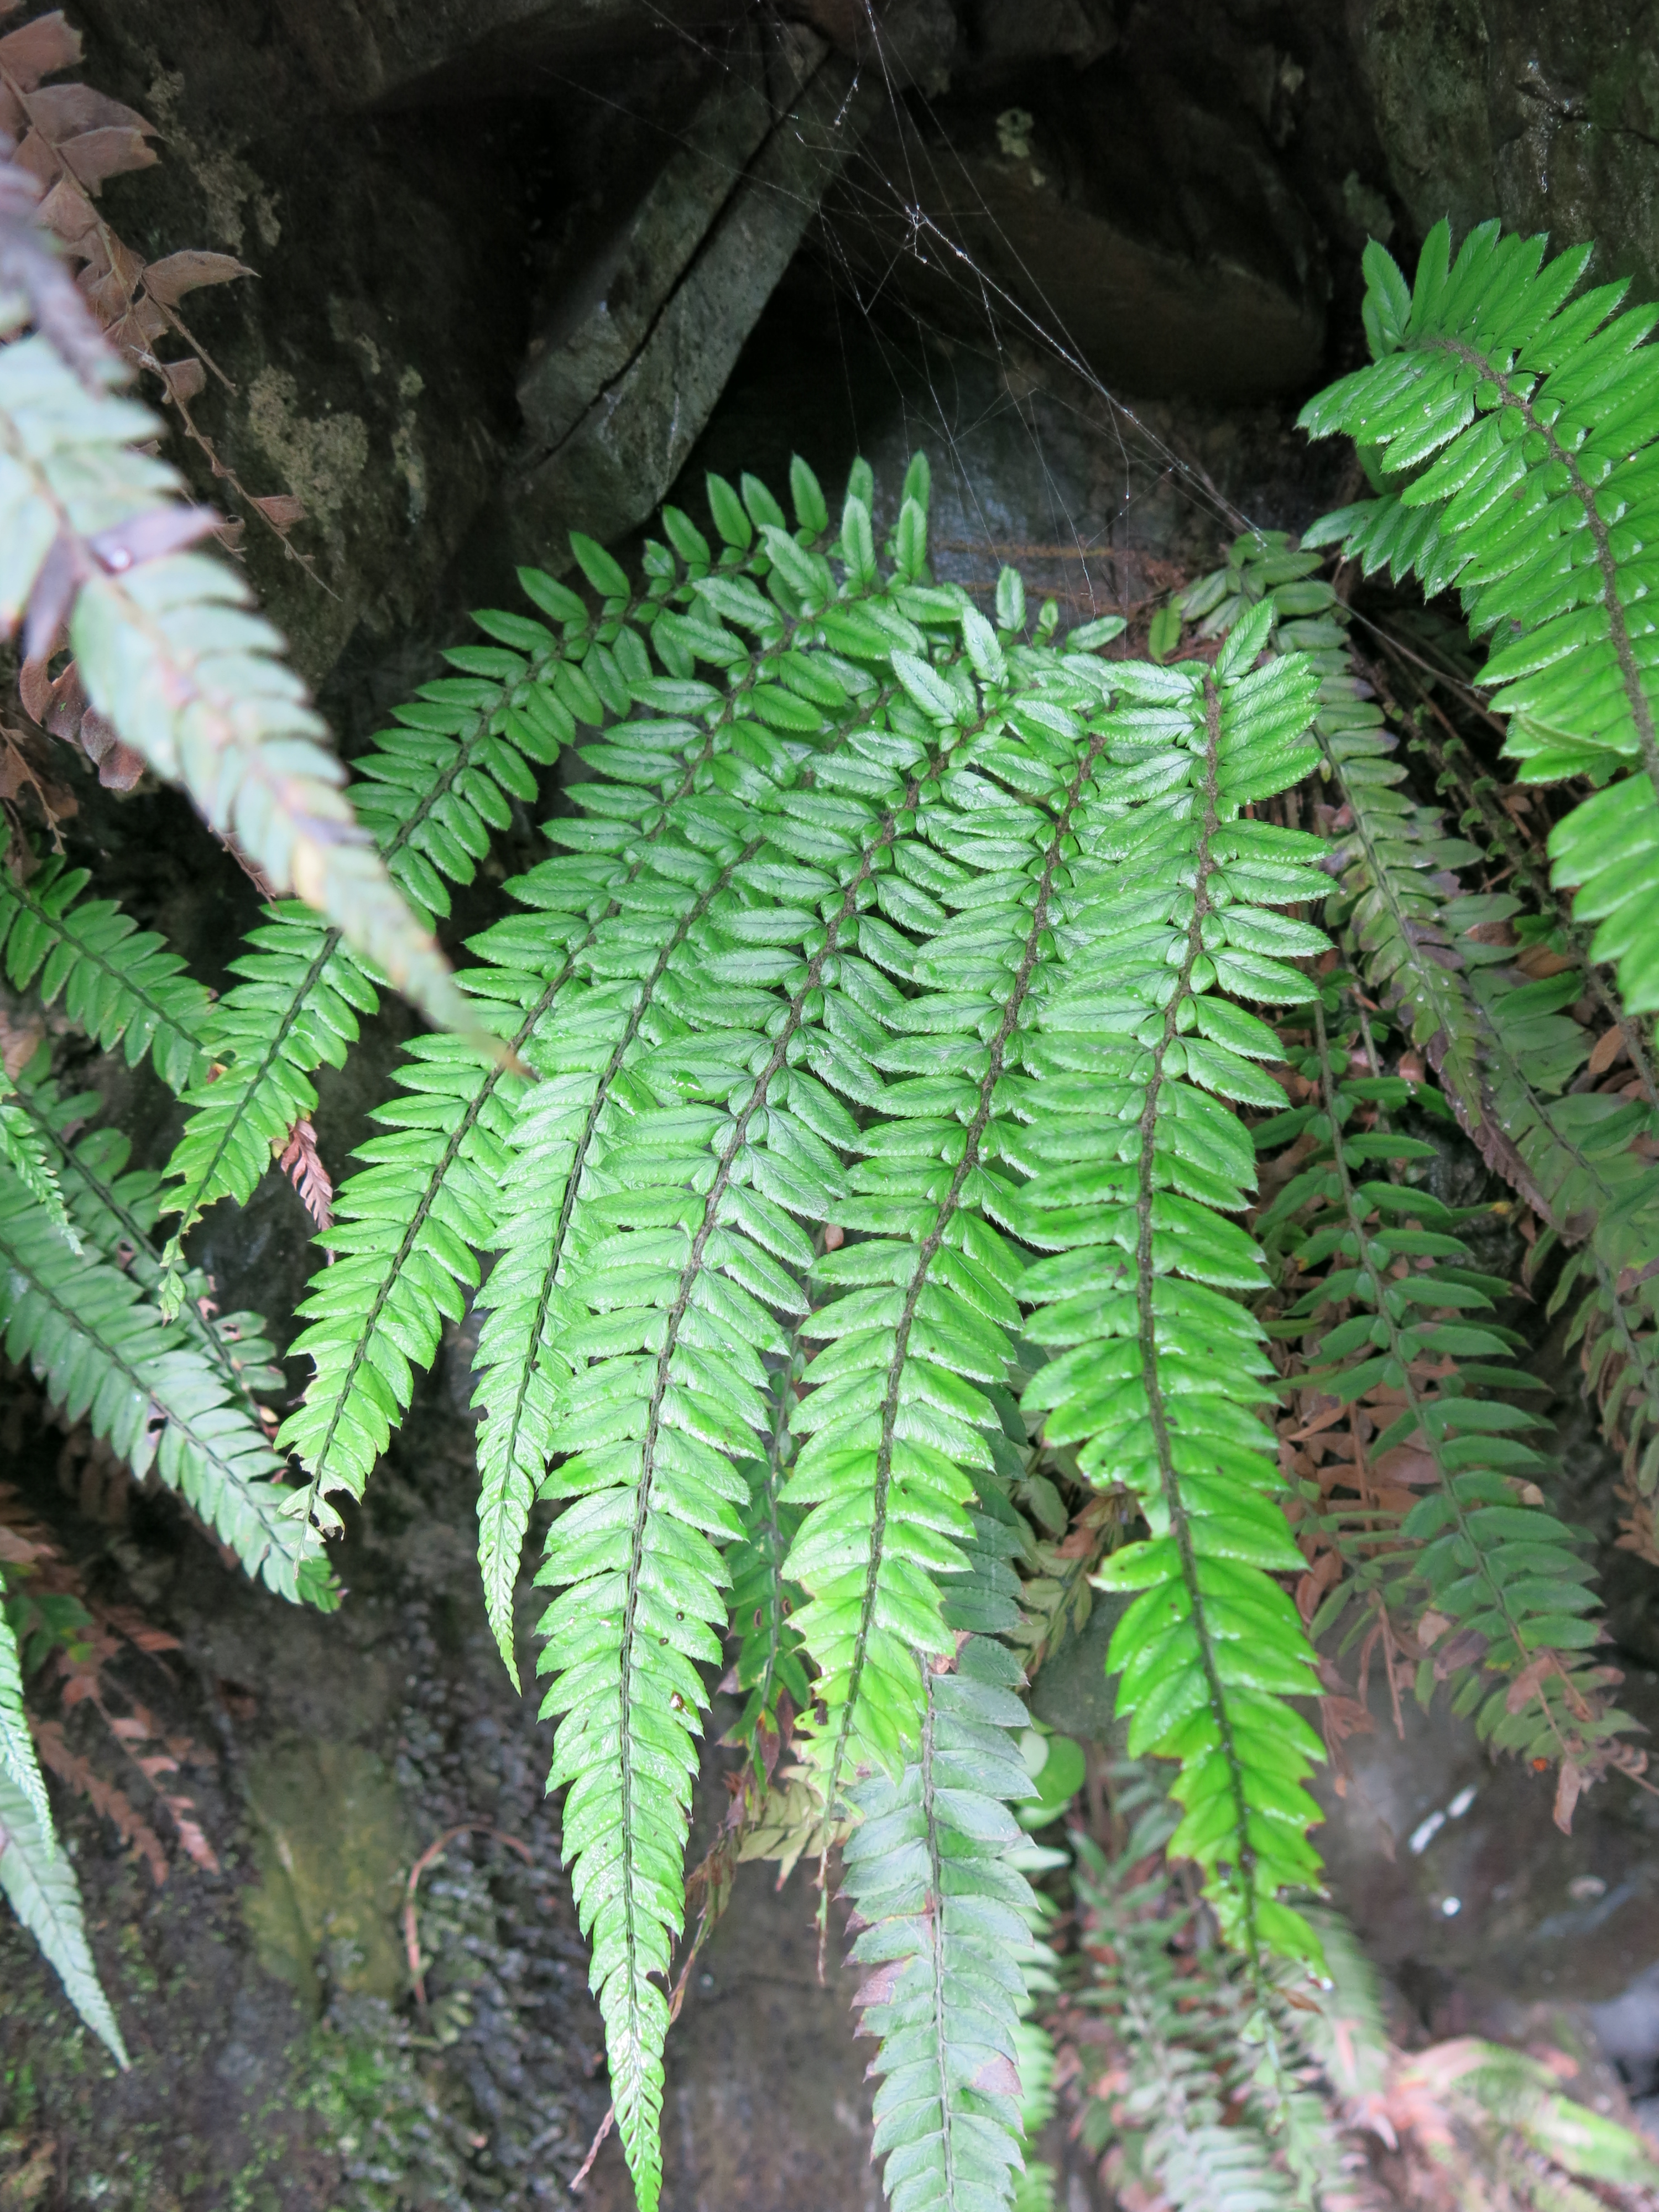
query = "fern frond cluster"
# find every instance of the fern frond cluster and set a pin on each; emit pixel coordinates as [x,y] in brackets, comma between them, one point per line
[821,1060]
[1395,1322]
[1194,2101]
[936,1077]
[1498,1033]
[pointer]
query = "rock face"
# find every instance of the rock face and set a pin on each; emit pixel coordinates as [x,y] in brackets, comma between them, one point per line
[640,346]
[1546,115]
[382,52]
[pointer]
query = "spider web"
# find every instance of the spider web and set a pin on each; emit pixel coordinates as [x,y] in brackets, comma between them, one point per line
[1036,460]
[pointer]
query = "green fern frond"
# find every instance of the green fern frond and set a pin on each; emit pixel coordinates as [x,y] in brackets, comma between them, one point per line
[1518,2094]
[640,871]
[18,1763]
[113,1208]
[169,653]
[39,1887]
[907,1405]
[24,1151]
[106,1357]
[945,1918]
[708,1133]
[436,784]
[1156,1372]
[398,1271]
[1514,426]
[410,1226]
[295,1010]
[676,1325]
[1391,853]
[118,983]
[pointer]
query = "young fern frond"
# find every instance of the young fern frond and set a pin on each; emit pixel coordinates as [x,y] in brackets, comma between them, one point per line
[1551,925]
[108,1356]
[118,983]
[1512,428]
[945,1918]
[39,1886]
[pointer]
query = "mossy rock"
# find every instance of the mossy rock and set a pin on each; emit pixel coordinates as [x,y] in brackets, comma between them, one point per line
[332,1851]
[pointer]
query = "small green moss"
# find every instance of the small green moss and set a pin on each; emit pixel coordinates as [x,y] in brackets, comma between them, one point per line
[331,1852]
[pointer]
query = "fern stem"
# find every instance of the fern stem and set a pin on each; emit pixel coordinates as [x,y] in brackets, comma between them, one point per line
[936,1897]
[1168,1479]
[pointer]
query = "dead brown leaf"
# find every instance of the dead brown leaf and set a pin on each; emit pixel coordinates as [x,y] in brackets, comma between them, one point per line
[301,1162]
[1607,1047]
[39,49]
[175,274]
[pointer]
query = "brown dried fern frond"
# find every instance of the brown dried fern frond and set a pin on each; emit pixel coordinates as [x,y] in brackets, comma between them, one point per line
[74,1640]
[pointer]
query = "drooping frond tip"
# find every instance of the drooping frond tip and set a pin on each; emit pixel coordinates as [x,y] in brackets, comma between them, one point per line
[168,649]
